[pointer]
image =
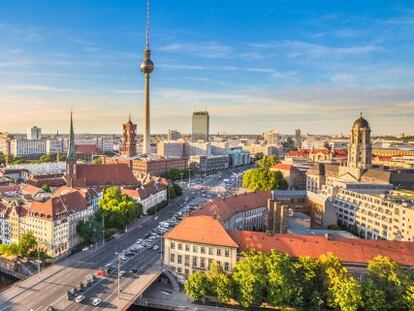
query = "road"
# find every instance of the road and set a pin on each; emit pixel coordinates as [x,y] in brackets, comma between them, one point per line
[49,288]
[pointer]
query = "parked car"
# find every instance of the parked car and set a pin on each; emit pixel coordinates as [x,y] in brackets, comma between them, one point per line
[96,301]
[80,298]
[122,273]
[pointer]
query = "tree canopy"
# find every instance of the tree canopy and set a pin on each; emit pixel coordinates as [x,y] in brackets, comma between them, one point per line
[267,161]
[119,210]
[264,179]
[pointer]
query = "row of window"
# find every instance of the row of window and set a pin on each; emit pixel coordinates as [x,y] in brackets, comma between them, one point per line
[196,262]
[201,249]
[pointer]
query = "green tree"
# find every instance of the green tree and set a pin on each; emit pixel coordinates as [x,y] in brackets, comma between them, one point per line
[342,291]
[249,276]
[46,188]
[307,282]
[258,156]
[119,210]
[268,161]
[263,179]
[280,276]
[98,160]
[197,286]
[91,230]
[373,297]
[388,277]
[219,283]
[409,298]
[27,243]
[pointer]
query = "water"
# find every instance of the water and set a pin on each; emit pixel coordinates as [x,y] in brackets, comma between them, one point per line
[6,281]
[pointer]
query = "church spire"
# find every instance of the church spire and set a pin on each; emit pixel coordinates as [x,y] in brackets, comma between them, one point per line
[71,150]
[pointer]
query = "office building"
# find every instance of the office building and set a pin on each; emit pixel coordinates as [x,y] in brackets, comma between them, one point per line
[173,135]
[271,138]
[200,126]
[34,133]
[298,139]
[170,148]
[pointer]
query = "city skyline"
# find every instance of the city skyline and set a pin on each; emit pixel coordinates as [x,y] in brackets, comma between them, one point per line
[271,67]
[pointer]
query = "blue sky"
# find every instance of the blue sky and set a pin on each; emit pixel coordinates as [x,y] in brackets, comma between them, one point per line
[255,65]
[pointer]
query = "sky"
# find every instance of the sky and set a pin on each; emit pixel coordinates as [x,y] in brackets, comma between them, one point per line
[254,65]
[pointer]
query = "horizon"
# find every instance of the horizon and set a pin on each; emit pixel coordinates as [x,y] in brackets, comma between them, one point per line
[281,66]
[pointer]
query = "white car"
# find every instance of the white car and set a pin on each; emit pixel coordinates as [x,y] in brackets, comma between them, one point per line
[139,241]
[96,302]
[122,273]
[80,298]
[155,247]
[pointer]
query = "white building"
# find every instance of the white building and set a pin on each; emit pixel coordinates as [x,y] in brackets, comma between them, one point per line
[148,195]
[56,145]
[27,147]
[170,148]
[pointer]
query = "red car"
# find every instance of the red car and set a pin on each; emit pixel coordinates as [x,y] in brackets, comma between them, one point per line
[101,273]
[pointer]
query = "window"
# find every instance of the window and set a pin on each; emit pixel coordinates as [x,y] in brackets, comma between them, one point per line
[187,248]
[179,270]
[172,258]
[194,261]
[202,263]
[187,260]
[172,245]
[226,266]
[195,249]
[218,252]
[180,246]
[179,259]
[226,252]
[202,250]
[210,251]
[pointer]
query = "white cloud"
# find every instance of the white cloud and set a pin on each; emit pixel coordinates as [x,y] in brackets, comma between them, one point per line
[203,49]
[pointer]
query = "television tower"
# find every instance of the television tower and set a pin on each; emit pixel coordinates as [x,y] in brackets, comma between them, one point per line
[147,67]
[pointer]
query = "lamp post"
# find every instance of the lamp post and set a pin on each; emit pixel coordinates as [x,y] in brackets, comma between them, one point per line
[103,229]
[119,278]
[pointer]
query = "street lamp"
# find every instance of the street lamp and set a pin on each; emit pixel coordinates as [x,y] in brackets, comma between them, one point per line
[119,278]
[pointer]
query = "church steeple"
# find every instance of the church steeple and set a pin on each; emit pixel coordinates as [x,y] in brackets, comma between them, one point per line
[71,156]
[360,148]
[71,150]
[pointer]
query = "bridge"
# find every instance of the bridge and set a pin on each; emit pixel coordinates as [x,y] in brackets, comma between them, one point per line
[50,286]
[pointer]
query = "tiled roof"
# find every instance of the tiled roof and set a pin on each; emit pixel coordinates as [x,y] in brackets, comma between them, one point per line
[376,175]
[10,188]
[324,151]
[357,251]
[100,175]
[341,151]
[86,149]
[203,230]
[63,202]
[299,153]
[226,207]
[144,191]
[282,166]
[31,190]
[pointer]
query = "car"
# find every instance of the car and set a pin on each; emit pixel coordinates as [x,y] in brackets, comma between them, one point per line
[123,257]
[122,273]
[156,217]
[80,298]
[133,270]
[96,302]
[155,247]
[139,241]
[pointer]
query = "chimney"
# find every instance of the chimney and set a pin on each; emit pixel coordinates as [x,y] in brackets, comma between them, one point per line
[214,216]
[329,236]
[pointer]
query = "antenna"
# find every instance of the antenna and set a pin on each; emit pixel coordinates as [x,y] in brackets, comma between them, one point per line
[147,27]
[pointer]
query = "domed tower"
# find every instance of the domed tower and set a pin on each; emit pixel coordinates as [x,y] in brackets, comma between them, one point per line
[360,148]
[146,68]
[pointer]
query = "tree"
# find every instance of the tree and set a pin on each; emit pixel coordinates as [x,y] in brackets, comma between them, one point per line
[46,188]
[280,276]
[343,292]
[197,286]
[409,297]
[119,210]
[91,230]
[249,276]
[258,156]
[307,282]
[27,243]
[219,283]
[388,277]
[373,298]
[98,160]
[263,179]
[267,161]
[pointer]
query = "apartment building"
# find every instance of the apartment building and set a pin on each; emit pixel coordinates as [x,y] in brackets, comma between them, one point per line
[148,195]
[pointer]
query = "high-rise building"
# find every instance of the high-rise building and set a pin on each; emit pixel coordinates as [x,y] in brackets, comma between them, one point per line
[173,135]
[34,133]
[201,126]
[147,67]
[298,138]
[129,143]
[271,138]
[360,148]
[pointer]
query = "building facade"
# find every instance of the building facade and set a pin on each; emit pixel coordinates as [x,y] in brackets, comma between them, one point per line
[200,126]
[129,142]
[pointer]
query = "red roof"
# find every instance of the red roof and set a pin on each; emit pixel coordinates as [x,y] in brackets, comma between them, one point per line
[324,151]
[201,229]
[341,151]
[86,149]
[11,188]
[298,153]
[31,190]
[282,167]
[102,175]
[226,207]
[357,251]
[64,201]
